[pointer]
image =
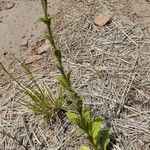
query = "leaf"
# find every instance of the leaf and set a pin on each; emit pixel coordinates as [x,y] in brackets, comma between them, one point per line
[72,116]
[87,114]
[29,72]
[60,69]
[87,119]
[42,19]
[59,103]
[48,37]
[84,148]
[96,127]
[46,19]
[10,75]
[105,139]
[62,81]
[58,53]
[68,75]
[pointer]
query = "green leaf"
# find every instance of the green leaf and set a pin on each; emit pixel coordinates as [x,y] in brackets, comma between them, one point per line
[62,81]
[84,148]
[60,68]
[46,19]
[105,139]
[42,19]
[87,114]
[58,53]
[68,75]
[59,103]
[87,119]
[72,116]
[48,37]
[96,127]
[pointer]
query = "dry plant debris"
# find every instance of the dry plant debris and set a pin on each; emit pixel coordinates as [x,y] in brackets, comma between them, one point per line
[45,47]
[102,20]
[33,58]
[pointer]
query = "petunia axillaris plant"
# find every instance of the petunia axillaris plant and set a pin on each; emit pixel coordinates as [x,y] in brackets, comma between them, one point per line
[81,116]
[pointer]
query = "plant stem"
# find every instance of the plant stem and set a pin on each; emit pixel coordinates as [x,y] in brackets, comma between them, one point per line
[65,79]
[74,95]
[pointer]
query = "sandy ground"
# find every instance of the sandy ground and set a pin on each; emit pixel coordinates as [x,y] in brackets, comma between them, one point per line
[19,26]
[116,49]
[137,10]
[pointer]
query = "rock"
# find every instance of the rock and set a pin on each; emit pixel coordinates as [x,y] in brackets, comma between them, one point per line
[102,20]
[0,95]
[23,36]
[24,43]
[5,53]
[33,58]
[1,19]
[9,5]
[45,47]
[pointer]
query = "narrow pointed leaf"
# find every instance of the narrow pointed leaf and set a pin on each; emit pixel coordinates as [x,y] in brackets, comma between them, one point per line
[62,82]
[84,148]
[96,127]
[42,19]
[105,139]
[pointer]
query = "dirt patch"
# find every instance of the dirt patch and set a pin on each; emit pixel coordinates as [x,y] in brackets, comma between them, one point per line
[137,10]
[142,10]
[18,24]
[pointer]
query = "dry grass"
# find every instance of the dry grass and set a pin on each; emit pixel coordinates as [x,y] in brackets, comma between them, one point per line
[110,69]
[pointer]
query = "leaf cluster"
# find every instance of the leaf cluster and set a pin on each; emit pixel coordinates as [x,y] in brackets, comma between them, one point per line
[37,98]
[93,128]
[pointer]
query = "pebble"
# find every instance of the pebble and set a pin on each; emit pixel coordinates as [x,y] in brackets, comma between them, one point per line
[33,58]
[5,53]
[10,5]
[102,20]
[24,43]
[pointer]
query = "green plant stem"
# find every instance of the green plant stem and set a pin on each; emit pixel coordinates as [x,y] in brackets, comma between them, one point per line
[74,96]
[58,57]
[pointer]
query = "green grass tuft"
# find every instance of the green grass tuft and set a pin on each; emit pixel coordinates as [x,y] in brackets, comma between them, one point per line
[38,98]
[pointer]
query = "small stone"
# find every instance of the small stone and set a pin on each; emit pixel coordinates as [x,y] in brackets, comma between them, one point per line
[33,58]
[23,36]
[10,5]
[43,48]
[102,20]
[5,53]
[24,43]
[0,95]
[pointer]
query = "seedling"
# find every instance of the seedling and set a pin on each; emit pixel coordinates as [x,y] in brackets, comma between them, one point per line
[82,117]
